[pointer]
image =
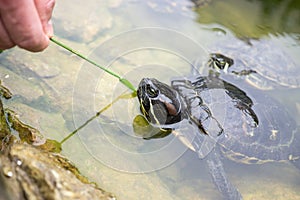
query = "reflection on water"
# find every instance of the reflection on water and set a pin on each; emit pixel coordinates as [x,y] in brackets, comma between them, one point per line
[253,19]
[50,79]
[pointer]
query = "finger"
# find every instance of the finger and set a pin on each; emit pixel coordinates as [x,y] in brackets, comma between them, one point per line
[44,9]
[5,41]
[23,24]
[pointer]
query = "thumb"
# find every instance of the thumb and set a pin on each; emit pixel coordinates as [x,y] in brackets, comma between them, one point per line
[44,9]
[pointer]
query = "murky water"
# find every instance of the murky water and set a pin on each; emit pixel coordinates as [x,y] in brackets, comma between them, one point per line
[57,92]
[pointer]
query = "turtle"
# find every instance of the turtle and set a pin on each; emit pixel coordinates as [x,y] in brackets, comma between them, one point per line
[216,119]
[262,63]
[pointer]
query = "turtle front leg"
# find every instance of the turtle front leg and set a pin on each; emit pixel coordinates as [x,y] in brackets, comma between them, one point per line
[227,189]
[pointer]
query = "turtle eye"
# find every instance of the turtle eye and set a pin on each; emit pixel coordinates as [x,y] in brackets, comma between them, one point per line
[151,91]
[220,63]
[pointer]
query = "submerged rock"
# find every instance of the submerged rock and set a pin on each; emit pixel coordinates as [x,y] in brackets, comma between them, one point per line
[91,20]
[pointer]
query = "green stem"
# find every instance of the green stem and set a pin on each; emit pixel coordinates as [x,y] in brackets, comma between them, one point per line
[122,80]
[122,96]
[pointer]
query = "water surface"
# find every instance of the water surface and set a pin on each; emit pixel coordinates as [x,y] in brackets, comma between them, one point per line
[57,92]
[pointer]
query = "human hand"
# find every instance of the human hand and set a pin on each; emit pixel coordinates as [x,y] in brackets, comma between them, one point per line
[25,23]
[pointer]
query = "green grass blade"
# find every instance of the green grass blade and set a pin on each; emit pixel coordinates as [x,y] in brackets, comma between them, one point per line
[122,80]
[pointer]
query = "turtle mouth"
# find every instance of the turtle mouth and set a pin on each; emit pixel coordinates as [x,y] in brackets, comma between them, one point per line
[143,98]
[141,91]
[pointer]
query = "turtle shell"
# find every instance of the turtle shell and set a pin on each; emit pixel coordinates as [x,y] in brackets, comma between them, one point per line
[272,66]
[255,128]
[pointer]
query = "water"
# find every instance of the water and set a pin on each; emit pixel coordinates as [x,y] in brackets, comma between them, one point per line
[56,92]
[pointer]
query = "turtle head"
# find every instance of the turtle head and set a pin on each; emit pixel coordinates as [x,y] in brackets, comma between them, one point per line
[220,62]
[159,103]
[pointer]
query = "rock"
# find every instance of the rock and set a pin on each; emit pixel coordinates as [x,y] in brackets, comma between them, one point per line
[4,129]
[29,170]
[29,173]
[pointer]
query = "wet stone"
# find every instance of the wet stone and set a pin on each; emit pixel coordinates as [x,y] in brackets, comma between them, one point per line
[33,172]
[30,173]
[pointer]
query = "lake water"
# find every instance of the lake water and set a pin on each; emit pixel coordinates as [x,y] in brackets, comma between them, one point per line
[57,92]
